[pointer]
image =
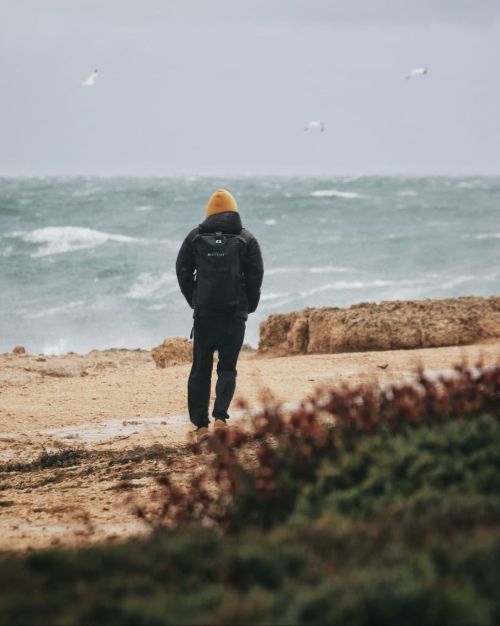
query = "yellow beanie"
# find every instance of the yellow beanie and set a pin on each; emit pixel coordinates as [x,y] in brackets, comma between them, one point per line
[221,201]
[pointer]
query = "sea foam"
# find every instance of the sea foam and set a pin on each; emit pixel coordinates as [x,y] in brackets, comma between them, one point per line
[481,236]
[150,286]
[58,239]
[53,310]
[323,269]
[327,269]
[348,284]
[334,193]
[273,296]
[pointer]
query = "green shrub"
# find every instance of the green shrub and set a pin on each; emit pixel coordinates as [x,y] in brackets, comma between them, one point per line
[390,517]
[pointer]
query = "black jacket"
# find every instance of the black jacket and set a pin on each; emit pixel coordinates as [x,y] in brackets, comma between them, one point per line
[252,265]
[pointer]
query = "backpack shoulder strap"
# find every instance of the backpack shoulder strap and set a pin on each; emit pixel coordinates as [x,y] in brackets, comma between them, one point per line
[197,236]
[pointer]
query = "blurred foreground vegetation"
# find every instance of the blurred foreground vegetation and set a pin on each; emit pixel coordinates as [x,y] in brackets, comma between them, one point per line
[378,521]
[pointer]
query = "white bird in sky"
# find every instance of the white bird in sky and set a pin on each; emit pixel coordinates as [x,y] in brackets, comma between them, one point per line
[311,125]
[90,80]
[417,71]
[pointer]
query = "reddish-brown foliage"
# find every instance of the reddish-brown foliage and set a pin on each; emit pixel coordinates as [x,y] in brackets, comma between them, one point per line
[253,476]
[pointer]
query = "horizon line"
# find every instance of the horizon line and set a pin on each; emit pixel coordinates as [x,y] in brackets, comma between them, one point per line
[248,174]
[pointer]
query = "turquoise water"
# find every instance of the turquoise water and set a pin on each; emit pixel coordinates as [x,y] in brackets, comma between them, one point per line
[89,263]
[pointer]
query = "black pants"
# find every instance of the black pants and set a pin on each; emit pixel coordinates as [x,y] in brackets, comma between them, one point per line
[225,334]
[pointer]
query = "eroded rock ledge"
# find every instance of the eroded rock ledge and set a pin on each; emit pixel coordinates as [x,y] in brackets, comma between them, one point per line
[173,351]
[386,326]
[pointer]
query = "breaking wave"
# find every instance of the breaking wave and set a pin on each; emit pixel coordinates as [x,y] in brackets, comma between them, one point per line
[481,236]
[324,269]
[334,193]
[358,284]
[273,296]
[54,310]
[59,239]
[150,286]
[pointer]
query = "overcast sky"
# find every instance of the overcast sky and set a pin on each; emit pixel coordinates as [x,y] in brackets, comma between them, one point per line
[225,87]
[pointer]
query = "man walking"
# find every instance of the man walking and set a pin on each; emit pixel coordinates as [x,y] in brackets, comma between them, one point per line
[220,270]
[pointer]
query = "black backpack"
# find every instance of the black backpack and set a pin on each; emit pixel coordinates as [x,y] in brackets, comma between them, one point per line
[219,278]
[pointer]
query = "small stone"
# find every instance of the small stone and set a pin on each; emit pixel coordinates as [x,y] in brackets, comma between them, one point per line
[19,350]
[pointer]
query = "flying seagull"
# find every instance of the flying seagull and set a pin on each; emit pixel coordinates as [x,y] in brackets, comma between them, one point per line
[311,125]
[417,71]
[90,80]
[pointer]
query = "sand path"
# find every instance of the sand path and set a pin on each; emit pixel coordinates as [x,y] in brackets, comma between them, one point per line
[109,403]
[106,396]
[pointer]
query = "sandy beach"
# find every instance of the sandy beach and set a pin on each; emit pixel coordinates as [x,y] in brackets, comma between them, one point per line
[114,406]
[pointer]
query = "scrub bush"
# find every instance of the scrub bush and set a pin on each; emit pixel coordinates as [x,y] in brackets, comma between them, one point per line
[262,473]
[365,505]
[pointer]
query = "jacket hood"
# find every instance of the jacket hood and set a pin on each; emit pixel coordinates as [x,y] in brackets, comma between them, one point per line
[227,222]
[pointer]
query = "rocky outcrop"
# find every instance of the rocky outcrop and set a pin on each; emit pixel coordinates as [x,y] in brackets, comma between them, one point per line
[173,351]
[391,325]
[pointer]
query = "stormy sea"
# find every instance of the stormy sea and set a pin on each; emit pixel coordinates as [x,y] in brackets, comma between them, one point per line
[89,263]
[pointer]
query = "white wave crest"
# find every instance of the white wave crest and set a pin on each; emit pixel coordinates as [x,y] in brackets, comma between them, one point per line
[407,193]
[172,244]
[349,284]
[58,239]
[149,286]
[270,222]
[283,270]
[482,236]
[324,269]
[334,193]
[457,280]
[328,269]
[53,310]
[83,193]
[273,296]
